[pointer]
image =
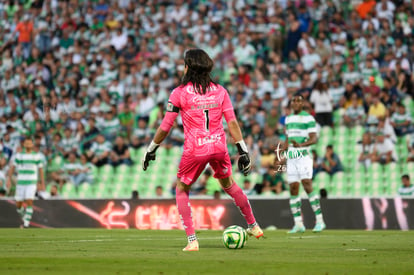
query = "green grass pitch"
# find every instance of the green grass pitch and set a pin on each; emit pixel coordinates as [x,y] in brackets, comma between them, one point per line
[99,251]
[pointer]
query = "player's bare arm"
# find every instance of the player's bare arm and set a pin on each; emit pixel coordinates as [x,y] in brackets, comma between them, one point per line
[235,131]
[9,177]
[42,179]
[160,135]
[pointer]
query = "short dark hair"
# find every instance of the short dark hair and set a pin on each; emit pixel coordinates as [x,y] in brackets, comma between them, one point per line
[298,94]
[405,176]
[135,194]
[323,193]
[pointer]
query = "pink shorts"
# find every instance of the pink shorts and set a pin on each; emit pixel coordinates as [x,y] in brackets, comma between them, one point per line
[191,167]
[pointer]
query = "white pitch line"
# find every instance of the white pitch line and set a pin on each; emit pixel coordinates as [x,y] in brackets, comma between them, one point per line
[117,240]
[303,237]
[356,249]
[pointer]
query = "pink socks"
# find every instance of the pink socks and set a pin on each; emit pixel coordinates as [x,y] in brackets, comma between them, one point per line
[184,208]
[240,199]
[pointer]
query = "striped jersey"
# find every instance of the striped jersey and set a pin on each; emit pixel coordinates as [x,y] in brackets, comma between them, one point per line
[68,144]
[400,118]
[298,128]
[69,167]
[406,191]
[110,127]
[27,167]
[99,148]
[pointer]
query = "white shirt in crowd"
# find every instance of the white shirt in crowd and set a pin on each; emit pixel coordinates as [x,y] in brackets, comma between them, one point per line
[385,147]
[322,101]
[119,41]
[245,55]
[309,61]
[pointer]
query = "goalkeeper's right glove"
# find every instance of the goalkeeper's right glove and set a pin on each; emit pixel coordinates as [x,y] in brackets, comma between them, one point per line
[244,162]
[149,154]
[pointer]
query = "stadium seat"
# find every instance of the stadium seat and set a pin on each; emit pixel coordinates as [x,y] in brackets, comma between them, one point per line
[326,136]
[359,131]
[69,191]
[323,180]
[356,188]
[337,116]
[86,191]
[255,178]
[339,184]
[137,154]
[123,169]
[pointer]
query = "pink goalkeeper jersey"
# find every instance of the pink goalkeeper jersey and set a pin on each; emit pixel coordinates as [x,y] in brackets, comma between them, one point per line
[202,118]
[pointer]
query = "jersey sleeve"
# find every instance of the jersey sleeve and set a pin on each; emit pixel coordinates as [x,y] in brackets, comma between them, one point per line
[39,161]
[311,125]
[174,101]
[173,107]
[286,127]
[228,109]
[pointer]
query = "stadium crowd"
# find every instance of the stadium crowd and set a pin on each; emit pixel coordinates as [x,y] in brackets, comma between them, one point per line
[89,79]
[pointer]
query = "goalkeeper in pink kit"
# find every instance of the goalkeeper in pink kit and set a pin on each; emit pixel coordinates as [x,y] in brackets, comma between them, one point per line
[202,104]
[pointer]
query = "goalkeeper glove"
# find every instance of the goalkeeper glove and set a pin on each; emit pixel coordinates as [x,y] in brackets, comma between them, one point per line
[149,154]
[244,162]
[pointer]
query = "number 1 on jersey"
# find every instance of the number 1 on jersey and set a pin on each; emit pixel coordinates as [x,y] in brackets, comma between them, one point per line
[205,111]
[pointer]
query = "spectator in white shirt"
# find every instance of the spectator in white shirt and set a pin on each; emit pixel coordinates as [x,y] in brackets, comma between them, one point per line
[354,114]
[322,102]
[385,9]
[29,115]
[366,150]
[244,52]
[278,89]
[384,126]
[179,12]
[384,150]
[310,60]
[146,104]
[305,43]
[8,83]
[119,40]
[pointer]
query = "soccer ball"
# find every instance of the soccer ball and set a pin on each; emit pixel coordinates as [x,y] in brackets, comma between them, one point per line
[234,237]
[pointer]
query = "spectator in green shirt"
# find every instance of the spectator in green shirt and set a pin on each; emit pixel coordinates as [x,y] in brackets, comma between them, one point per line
[126,118]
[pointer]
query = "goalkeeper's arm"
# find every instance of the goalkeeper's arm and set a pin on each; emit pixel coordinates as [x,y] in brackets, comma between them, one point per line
[160,135]
[235,132]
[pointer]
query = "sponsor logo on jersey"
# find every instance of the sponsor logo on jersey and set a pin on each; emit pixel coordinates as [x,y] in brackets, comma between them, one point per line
[209,139]
[201,98]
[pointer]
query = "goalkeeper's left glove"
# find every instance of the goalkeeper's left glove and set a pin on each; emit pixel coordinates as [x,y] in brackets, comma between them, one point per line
[244,162]
[149,154]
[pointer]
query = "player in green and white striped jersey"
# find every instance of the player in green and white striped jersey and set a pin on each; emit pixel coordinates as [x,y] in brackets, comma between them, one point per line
[29,168]
[300,135]
[407,189]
